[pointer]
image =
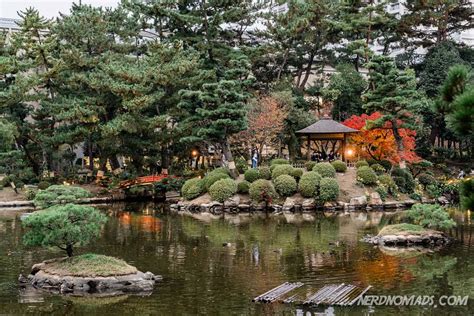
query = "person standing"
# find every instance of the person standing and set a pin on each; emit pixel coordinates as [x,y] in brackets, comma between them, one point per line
[255,159]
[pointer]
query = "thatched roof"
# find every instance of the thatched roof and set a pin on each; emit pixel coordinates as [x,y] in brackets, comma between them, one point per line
[326,126]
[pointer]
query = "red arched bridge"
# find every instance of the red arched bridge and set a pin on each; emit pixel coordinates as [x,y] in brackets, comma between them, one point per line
[146,180]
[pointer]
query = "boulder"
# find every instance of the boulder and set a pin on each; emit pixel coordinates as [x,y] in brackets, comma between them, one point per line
[289,204]
[375,198]
[358,201]
[308,204]
[443,200]
[233,201]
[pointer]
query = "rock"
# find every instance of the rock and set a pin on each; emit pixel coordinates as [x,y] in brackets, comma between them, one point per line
[233,201]
[375,198]
[358,201]
[308,204]
[289,204]
[329,206]
[243,207]
[276,208]
[443,200]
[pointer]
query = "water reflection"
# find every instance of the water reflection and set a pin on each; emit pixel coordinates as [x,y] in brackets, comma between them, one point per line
[216,264]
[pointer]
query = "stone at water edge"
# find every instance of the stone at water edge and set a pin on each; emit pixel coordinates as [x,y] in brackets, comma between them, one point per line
[375,198]
[289,204]
[232,201]
[360,200]
[308,204]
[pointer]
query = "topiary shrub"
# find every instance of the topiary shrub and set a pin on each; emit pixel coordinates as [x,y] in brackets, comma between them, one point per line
[222,190]
[43,185]
[279,161]
[361,163]
[407,185]
[388,183]
[251,175]
[297,173]
[309,165]
[243,187]
[220,170]
[264,173]
[59,194]
[309,184]
[379,169]
[262,191]
[285,185]
[426,179]
[366,175]
[192,188]
[280,170]
[430,216]
[212,178]
[328,190]
[386,164]
[325,169]
[339,165]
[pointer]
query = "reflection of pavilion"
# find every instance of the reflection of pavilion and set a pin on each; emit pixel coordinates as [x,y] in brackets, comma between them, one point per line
[326,136]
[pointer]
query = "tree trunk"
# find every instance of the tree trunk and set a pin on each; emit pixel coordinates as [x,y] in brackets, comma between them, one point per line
[230,159]
[69,250]
[400,147]
[165,160]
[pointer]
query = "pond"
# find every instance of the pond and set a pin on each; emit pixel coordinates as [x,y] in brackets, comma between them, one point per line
[216,266]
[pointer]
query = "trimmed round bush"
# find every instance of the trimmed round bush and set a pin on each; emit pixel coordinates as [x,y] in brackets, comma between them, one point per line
[243,187]
[366,175]
[279,161]
[371,161]
[281,169]
[220,170]
[386,164]
[406,186]
[43,185]
[379,169]
[297,173]
[251,175]
[325,169]
[361,163]
[262,191]
[386,181]
[222,190]
[213,177]
[339,165]
[309,165]
[192,188]
[309,184]
[328,190]
[426,179]
[264,173]
[285,185]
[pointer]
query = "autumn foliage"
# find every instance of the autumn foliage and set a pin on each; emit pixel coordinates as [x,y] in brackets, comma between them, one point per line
[379,143]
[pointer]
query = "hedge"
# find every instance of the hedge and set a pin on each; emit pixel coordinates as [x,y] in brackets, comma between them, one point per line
[328,190]
[222,190]
[325,169]
[264,173]
[192,188]
[309,184]
[281,169]
[262,191]
[243,187]
[251,175]
[339,165]
[366,175]
[285,185]
[361,163]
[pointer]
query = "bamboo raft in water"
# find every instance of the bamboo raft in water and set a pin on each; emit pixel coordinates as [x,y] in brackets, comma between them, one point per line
[333,294]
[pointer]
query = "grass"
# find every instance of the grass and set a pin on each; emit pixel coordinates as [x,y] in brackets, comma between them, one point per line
[402,229]
[90,265]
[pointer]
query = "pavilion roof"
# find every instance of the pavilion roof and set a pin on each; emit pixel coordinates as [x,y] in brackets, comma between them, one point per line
[326,126]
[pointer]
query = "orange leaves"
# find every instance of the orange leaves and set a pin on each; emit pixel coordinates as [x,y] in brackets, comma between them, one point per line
[379,142]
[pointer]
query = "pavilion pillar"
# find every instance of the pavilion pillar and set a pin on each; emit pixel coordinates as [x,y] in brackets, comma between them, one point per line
[343,154]
[308,146]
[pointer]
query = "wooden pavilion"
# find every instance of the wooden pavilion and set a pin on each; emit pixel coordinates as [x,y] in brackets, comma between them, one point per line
[326,134]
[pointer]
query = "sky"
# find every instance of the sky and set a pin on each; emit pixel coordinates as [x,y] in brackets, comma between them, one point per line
[47,8]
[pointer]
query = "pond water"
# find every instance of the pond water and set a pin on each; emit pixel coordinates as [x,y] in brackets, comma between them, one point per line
[201,276]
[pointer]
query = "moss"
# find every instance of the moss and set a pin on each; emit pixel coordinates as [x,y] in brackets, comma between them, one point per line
[285,185]
[90,265]
[222,190]
[402,229]
[325,169]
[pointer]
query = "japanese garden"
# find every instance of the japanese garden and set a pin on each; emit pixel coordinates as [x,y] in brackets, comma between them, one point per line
[237,157]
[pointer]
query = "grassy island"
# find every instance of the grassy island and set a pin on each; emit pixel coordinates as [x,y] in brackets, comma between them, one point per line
[402,229]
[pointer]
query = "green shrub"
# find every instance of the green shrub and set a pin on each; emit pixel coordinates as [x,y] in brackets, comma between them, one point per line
[430,216]
[241,164]
[63,226]
[243,187]
[297,173]
[222,190]
[328,190]
[371,161]
[386,164]
[339,165]
[251,175]
[325,169]
[467,194]
[309,184]
[388,183]
[379,169]
[309,165]
[262,191]
[264,173]
[426,179]
[434,191]
[220,170]
[43,185]
[361,163]
[285,185]
[408,183]
[279,161]
[382,191]
[30,194]
[192,188]
[212,178]
[280,170]
[366,175]
[59,194]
